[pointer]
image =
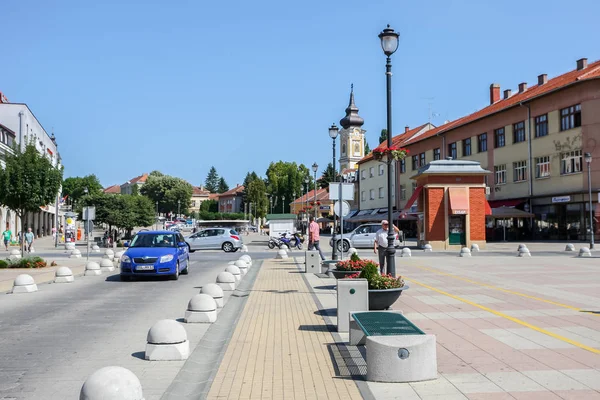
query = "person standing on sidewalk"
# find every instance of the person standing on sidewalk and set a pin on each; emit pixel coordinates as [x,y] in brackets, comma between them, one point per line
[381,242]
[29,237]
[6,236]
[314,237]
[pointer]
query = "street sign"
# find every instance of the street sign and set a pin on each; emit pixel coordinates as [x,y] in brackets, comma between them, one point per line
[345,208]
[89,213]
[347,191]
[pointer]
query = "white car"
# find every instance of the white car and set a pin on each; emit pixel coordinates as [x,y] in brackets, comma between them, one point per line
[361,237]
[226,239]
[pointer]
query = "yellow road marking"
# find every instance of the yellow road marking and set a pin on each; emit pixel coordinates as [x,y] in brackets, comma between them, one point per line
[508,317]
[499,288]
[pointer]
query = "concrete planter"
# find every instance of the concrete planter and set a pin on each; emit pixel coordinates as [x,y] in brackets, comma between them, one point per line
[342,274]
[384,298]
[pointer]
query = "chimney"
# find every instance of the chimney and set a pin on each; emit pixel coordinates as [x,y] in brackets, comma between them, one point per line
[581,64]
[406,129]
[542,79]
[507,93]
[494,93]
[522,87]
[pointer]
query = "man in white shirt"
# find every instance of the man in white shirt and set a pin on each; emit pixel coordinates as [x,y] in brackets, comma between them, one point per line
[381,242]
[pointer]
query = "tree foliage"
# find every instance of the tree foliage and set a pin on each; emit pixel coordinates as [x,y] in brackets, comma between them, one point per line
[222,187]
[283,180]
[383,136]
[120,211]
[212,180]
[257,194]
[75,187]
[366,146]
[209,206]
[167,191]
[328,176]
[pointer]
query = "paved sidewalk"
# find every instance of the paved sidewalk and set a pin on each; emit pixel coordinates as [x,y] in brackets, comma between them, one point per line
[280,348]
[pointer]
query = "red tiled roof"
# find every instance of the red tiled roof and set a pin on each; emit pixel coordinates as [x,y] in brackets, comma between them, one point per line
[213,196]
[591,72]
[232,192]
[396,141]
[199,191]
[322,194]
[141,179]
[113,189]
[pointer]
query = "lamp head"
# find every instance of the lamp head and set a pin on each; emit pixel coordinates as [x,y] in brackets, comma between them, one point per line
[333,131]
[389,41]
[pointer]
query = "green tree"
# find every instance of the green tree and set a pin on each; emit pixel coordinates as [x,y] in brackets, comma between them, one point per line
[120,211]
[212,180]
[283,180]
[222,187]
[328,176]
[28,181]
[383,136]
[366,145]
[168,191]
[209,206]
[257,194]
[75,187]
[135,190]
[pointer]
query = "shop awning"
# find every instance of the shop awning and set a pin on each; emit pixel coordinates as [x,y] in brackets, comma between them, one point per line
[506,203]
[403,216]
[488,209]
[459,200]
[508,212]
[413,198]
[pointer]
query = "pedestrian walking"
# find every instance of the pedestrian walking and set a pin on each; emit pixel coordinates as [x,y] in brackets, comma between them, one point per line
[381,243]
[314,237]
[6,236]
[29,238]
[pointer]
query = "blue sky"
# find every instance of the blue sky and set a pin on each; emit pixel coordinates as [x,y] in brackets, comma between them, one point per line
[131,86]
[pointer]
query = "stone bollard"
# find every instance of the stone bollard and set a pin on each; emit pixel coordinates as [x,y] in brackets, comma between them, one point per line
[96,248]
[312,262]
[69,247]
[235,271]
[75,253]
[427,248]
[524,252]
[243,266]
[521,246]
[570,247]
[64,275]
[117,256]
[465,252]
[281,255]
[106,265]
[112,383]
[244,248]
[405,252]
[474,247]
[585,252]
[226,281]
[351,251]
[109,253]
[215,291]
[92,268]
[352,296]
[246,258]
[24,284]
[14,254]
[202,308]
[167,341]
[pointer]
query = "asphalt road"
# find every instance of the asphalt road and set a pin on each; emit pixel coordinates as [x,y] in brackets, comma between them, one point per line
[53,339]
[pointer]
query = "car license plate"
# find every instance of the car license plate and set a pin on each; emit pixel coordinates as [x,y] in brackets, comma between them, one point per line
[144,267]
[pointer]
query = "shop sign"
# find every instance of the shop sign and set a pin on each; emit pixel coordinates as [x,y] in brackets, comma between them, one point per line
[459,212]
[324,207]
[561,199]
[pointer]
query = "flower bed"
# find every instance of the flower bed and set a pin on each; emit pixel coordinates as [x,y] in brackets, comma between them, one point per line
[29,262]
[354,265]
[380,282]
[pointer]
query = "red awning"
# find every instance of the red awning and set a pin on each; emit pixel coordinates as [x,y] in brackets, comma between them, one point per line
[459,200]
[413,198]
[488,209]
[506,203]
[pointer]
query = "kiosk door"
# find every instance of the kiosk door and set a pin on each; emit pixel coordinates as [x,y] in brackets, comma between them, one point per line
[457,230]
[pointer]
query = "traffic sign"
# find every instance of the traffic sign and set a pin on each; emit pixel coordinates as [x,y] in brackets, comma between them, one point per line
[345,208]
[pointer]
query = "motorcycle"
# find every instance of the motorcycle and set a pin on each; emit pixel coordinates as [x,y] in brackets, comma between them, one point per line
[297,240]
[274,242]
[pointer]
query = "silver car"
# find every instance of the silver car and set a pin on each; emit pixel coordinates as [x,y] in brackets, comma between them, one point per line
[361,237]
[225,239]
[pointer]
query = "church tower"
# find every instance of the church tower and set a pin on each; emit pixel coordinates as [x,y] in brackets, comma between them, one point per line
[352,136]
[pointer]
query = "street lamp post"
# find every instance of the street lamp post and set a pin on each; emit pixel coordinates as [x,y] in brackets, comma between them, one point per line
[307,181]
[282,204]
[333,133]
[156,220]
[271,201]
[588,160]
[389,44]
[315,167]
[178,208]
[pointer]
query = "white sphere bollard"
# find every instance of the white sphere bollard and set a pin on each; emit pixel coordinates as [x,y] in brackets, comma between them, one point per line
[474,247]
[69,246]
[524,252]
[352,250]
[465,252]
[521,246]
[92,268]
[96,248]
[202,308]
[405,252]
[585,252]
[246,258]
[75,253]
[570,247]
[226,281]
[243,266]
[14,254]
[244,248]
[64,275]
[281,255]
[110,253]
[427,248]
[106,265]
[167,341]
[24,284]
[235,271]
[215,291]
[112,383]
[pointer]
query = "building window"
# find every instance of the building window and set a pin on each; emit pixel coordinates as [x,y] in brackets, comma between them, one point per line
[421,159]
[415,162]
[452,151]
[402,166]
[402,192]
[362,174]
[570,117]
[542,167]
[570,162]
[520,170]
[519,132]
[381,193]
[414,186]
[541,125]
[500,174]
[466,147]
[381,170]
[372,194]
[344,148]
[362,196]
[482,143]
[437,155]
[499,138]
[371,172]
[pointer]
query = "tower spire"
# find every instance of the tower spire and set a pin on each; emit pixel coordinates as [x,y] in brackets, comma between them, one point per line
[352,118]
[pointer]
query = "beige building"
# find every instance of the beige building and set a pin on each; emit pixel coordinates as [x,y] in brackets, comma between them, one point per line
[352,137]
[127,187]
[199,195]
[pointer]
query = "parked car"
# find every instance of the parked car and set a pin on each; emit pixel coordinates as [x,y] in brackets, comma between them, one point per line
[362,237]
[226,239]
[155,253]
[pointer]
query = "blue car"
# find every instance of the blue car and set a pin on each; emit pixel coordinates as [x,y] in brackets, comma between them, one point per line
[156,253]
